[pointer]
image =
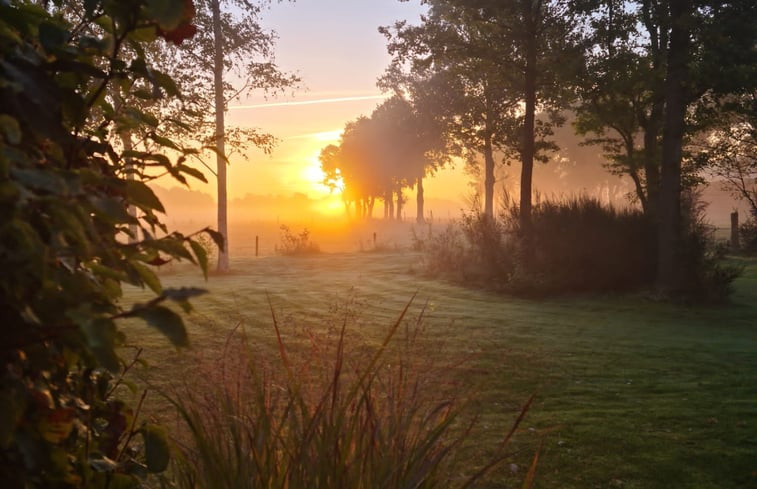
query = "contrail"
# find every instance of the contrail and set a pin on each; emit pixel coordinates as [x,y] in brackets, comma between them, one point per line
[310,102]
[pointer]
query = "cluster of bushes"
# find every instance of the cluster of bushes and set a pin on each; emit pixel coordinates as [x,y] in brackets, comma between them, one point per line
[575,245]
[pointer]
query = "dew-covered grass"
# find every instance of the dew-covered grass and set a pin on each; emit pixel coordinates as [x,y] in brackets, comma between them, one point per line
[630,392]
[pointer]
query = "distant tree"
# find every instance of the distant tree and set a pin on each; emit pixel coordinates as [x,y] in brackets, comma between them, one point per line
[350,167]
[380,155]
[231,56]
[508,59]
[452,79]
[410,144]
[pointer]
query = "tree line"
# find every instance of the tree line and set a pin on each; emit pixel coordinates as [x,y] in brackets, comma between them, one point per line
[666,88]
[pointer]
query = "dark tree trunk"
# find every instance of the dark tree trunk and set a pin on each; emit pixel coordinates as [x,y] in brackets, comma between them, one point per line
[419,201]
[400,202]
[389,205]
[528,147]
[223,227]
[669,262]
[488,175]
[652,159]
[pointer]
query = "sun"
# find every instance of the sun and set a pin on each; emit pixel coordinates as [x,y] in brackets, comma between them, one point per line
[313,174]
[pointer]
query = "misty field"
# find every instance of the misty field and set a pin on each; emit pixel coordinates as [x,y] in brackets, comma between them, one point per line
[629,392]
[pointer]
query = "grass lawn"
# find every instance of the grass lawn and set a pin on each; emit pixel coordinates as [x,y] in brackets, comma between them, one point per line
[630,393]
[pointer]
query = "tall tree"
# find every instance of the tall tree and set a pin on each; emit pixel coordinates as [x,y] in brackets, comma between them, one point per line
[231,56]
[452,78]
[509,59]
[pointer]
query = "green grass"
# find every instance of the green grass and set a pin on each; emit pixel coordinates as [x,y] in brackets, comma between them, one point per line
[629,392]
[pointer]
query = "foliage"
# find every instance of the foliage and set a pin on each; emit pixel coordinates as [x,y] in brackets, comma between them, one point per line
[482,69]
[707,278]
[748,236]
[296,244]
[66,246]
[578,245]
[378,156]
[326,412]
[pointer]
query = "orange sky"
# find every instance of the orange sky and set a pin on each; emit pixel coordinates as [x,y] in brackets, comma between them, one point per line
[338,57]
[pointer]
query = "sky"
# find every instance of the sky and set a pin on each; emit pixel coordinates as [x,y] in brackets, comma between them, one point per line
[335,48]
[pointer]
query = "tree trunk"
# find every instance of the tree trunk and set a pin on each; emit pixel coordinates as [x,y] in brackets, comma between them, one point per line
[400,202]
[419,201]
[669,262]
[488,175]
[651,160]
[223,227]
[528,145]
[389,205]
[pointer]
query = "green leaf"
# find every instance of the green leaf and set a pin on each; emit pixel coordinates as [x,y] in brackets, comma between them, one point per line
[148,277]
[143,196]
[194,172]
[215,236]
[51,36]
[167,322]
[10,129]
[157,449]
[167,13]
[163,141]
[143,34]
[167,83]
[202,256]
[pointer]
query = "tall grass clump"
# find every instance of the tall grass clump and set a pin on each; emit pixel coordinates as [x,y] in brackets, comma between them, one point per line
[319,414]
[576,245]
[581,245]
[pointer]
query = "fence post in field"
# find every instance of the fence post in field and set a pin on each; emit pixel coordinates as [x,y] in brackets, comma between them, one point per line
[735,231]
[256,246]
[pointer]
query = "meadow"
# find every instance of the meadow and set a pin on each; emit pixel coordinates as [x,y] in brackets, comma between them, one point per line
[629,392]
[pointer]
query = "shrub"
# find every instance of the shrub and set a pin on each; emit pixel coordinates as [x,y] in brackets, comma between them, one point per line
[582,245]
[296,244]
[748,236]
[68,241]
[323,415]
[707,279]
[577,245]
